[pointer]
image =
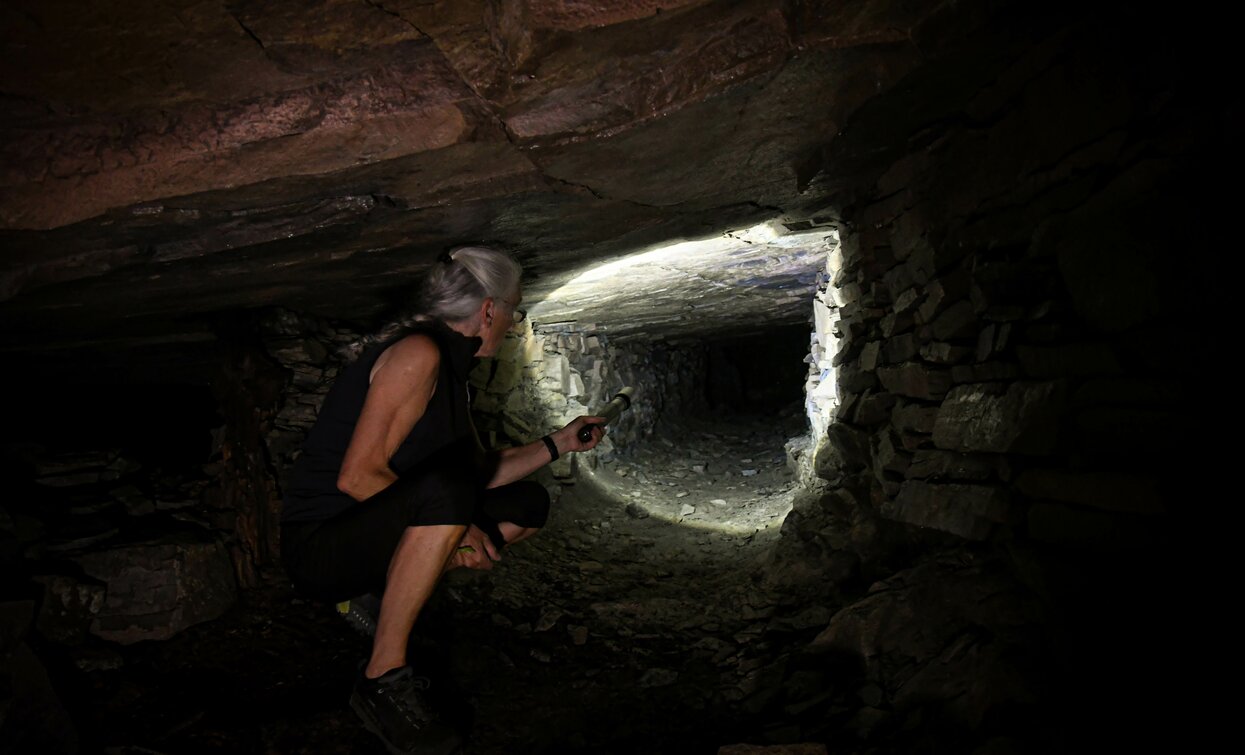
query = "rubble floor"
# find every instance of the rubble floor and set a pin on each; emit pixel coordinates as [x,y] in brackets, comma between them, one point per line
[632,623]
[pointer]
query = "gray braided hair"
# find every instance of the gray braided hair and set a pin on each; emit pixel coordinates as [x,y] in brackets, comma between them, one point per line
[452,291]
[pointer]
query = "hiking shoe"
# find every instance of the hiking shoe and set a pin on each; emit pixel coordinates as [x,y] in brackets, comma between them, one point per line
[394,707]
[361,613]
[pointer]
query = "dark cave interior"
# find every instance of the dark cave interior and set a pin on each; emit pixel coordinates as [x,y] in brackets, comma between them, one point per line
[920,301]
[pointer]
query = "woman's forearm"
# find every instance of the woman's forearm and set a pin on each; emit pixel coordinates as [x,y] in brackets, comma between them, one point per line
[520,461]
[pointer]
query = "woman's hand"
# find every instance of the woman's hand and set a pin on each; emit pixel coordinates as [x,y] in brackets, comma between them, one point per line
[520,461]
[567,439]
[475,551]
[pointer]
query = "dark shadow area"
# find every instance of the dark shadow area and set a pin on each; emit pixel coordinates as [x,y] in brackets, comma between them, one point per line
[161,424]
[757,374]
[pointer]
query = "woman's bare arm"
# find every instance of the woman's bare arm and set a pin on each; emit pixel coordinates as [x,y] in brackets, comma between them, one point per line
[520,461]
[402,383]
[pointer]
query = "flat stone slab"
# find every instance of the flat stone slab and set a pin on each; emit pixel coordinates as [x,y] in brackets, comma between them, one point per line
[155,589]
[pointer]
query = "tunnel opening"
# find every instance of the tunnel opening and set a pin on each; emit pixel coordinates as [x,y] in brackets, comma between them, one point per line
[726,341]
[662,539]
[756,374]
[717,454]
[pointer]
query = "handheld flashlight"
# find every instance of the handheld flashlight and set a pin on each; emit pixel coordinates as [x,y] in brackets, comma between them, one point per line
[621,401]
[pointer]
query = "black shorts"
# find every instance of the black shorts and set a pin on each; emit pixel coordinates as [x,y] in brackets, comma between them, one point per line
[348,555]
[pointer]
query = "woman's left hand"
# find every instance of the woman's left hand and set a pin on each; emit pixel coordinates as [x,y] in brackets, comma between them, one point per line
[475,550]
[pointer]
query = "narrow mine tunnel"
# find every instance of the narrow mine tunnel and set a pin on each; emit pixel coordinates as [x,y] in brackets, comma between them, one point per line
[917,303]
[653,548]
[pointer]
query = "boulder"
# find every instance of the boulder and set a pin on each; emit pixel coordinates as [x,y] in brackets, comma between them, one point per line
[157,588]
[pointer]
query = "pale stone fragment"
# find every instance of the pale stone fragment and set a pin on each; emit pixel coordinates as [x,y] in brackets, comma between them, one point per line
[976,417]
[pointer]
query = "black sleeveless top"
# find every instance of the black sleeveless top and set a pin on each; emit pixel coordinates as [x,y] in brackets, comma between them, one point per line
[313,493]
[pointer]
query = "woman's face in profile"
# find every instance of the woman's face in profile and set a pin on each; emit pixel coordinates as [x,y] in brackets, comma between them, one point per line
[503,320]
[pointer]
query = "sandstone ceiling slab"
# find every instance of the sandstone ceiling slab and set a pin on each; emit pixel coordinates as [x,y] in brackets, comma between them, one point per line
[164,163]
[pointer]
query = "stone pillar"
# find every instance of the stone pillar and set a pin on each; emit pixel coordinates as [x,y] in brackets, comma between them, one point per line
[246,501]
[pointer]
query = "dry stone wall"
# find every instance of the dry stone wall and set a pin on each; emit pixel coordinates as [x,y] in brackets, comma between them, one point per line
[312,352]
[995,365]
[555,373]
[967,393]
[114,548]
[1026,298]
[542,378]
[821,388]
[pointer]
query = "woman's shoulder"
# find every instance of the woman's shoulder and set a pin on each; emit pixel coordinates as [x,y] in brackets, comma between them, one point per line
[414,352]
[432,332]
[420,345]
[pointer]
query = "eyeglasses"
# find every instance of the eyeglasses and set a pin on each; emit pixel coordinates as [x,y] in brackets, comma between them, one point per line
[516,315]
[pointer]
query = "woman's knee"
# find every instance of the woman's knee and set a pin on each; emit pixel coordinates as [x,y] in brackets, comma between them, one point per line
[538,515]
[439,496]
[513,533]
[524,503]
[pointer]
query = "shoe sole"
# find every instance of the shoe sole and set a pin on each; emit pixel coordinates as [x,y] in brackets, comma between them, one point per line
[371,724]
[361,620]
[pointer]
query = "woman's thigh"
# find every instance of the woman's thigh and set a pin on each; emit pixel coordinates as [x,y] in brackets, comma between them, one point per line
[349,554]
[524,503]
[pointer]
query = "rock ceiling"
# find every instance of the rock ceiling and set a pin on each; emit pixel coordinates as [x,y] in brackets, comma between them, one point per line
[169,162]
